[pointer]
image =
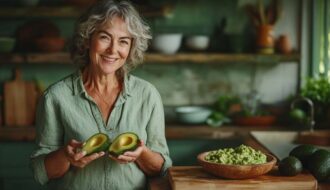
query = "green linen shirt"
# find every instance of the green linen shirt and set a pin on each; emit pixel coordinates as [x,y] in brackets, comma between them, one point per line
[66,111]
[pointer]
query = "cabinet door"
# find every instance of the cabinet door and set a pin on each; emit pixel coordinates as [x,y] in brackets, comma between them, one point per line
[15,173]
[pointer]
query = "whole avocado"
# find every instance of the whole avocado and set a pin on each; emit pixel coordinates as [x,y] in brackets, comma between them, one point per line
[290,166]
[303,153]
[319,164]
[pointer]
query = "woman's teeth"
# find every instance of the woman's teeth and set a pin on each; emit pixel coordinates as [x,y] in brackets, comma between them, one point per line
[108,59]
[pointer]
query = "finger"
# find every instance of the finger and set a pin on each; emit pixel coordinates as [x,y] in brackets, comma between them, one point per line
[120,161]
[78,164]
[75,143]
[126,158]
[141,143]
[79,155]
[93,156]
[135,153]
[72,147]
[69,150]
[86,160]
[123,157]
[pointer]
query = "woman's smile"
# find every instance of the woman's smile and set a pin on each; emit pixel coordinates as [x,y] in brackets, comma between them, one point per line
[108,59]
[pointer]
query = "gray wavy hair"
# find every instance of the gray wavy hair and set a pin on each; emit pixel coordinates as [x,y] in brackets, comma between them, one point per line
[99,14]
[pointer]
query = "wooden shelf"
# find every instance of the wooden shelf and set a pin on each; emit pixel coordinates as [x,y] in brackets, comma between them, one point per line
[199,58]
[70,11]
[26,133]
[204,58]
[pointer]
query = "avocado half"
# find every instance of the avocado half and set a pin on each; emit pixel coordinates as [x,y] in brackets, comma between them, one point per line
[96,143]
[124,142]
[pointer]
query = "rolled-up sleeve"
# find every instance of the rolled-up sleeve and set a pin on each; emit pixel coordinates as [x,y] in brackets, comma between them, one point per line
[156,132]
[49,136]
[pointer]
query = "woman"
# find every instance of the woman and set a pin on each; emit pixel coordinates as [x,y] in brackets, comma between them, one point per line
[109,40]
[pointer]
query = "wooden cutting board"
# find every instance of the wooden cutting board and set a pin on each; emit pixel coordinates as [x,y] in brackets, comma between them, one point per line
[195,178]
[20,99]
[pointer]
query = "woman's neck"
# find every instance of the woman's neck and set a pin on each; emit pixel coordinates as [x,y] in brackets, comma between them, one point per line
[103,83]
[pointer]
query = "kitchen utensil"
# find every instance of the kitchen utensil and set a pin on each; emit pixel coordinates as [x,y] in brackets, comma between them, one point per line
[20,99]
[236,171]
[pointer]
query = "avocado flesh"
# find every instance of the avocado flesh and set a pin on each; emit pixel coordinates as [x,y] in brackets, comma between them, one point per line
[124,142]
[96,143]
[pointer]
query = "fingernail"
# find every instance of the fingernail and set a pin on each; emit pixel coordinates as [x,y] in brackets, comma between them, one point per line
[84,152]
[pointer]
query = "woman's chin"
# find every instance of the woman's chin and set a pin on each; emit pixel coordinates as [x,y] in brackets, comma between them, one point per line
[109,69]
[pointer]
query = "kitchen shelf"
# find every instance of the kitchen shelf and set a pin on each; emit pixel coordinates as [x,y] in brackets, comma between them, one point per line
[204,58]
[199,58]
[70,11]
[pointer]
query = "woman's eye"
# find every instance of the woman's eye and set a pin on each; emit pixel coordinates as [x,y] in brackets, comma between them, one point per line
[124,42]
[103,37]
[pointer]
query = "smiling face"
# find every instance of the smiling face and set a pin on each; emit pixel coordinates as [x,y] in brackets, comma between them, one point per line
[110,46]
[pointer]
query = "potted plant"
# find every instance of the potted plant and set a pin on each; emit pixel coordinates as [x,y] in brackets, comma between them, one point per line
[318,90]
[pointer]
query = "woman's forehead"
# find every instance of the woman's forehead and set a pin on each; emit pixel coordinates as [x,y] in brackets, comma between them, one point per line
[116,22]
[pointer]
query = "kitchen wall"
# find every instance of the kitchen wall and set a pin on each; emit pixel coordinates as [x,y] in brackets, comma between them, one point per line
[188,83]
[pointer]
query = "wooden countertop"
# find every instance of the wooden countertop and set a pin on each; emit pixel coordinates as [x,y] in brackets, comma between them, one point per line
[163,183]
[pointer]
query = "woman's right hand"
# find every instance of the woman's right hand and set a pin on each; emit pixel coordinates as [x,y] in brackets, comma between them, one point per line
[78,158]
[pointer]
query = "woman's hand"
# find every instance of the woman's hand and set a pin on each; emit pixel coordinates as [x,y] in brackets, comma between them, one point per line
[130,156]
[78,158]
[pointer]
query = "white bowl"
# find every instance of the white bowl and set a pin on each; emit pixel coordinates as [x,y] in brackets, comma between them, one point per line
[197,42]
[192,114]
[167,43]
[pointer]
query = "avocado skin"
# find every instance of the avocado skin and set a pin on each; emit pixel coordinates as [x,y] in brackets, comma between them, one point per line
[303,153]
[103,147]
[290,166]
[122,151]
[319,164]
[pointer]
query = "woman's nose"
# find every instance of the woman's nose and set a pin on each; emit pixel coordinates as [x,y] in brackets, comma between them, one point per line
[111,47]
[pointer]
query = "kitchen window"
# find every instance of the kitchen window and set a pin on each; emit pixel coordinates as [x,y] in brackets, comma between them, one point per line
[320,39]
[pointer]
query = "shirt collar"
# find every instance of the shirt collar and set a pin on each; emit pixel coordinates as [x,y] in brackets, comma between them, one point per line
[78,86]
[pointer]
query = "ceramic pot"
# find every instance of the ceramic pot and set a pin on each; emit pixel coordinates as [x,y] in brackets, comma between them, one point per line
[265,39]
[284,45]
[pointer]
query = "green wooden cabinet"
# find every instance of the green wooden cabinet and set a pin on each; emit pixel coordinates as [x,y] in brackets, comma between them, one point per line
[15,173]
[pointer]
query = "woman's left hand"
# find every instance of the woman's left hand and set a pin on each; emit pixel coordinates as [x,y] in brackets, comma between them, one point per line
[130,156]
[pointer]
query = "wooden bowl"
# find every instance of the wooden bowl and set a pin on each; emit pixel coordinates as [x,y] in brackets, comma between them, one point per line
[266,120]
[236,171]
